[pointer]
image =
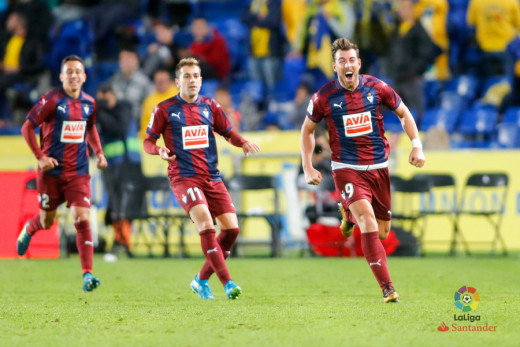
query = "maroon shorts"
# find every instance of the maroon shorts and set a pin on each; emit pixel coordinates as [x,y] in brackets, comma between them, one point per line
[373,185]
[53,191]
[191,191]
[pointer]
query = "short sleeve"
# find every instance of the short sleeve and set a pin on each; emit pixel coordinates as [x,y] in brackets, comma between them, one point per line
[157,122]
[40,112]
[221,123]
[315,110]
[389,97]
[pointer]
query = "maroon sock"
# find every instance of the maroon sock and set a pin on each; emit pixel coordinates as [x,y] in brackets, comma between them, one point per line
[34,225]
[226,239]
[214,254]
[85,245]
[376,257]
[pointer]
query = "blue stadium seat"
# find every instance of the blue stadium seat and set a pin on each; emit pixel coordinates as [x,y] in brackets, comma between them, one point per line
[479,120]
[467,86]
[431,91]
[509,129]
[253,89]
[237,39]
[392,123]
[451,101]
[209,87]
[489,82]
[440,118]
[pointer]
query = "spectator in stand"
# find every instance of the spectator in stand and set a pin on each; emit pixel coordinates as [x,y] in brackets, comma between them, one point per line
[324,22]
[434,15]
[267,41]
[130,83]
[164,89]
[496,24]
[292,14]
[210,48]
[299,105]
[223,97]
[21,56]
[113,125]
[412,52]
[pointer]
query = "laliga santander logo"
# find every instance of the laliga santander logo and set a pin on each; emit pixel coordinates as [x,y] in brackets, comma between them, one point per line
[467,299]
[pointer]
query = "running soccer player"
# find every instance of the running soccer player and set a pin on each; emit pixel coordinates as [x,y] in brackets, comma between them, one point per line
[187,122]
[350,106]
[66,117]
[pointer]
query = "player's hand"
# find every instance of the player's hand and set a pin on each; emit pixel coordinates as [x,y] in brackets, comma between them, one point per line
[417,157]
[312,176]
[164,153]
[101,161]
[46,163]
[250,147]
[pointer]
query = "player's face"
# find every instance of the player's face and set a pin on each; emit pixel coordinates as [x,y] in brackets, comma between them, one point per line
[72,76]
[347,65]
[189,82]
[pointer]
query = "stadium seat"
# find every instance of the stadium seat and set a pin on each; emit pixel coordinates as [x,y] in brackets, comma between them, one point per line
[431,91]
[406,203]
[237,39]
[479,120]
[392,123]
[209,87]
[253,184]
[491,189]
[509,129]
[467,86]
[440,118]
[441,200]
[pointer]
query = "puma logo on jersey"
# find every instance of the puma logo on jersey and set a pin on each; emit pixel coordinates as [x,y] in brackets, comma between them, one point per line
[62,108]
[43,101]
[212,250]
[378,263]
[340,105]
[87,200]
[178,115]
[89,243]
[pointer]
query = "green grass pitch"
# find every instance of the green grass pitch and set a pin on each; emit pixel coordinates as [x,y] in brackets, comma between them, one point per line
[285,302]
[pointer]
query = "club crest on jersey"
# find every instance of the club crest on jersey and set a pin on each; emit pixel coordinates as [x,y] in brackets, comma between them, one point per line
[357,124]
[86,108]
[73,131]
[205,113]
[195,136]
[370,98]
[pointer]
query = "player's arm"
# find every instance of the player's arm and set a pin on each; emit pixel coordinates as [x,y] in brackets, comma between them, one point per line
[150,147]
[238,141]
[417,157]
[95,143]
[312,176]
[44,162]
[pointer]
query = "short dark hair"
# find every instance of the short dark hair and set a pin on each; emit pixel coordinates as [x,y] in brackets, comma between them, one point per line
[343,44]
[72,58]
[186,62]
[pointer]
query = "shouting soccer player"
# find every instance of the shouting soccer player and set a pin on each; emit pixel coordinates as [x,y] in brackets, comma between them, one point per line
[187,122]
[66,117]
[351,105]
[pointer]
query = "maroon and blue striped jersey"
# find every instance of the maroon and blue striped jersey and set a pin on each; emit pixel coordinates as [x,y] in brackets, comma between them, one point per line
[188,132]
[354,119]
[63,125]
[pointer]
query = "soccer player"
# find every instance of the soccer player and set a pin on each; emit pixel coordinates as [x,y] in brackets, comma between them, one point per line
[350,106]
[66,117]
[187,122]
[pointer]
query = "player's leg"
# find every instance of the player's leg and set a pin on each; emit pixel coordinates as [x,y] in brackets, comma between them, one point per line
[40,221]
[228,225]
[372,248]
[77,194]
[221,206]
[50,197]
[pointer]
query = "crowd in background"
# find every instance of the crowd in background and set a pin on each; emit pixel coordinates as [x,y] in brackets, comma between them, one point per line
[454,62]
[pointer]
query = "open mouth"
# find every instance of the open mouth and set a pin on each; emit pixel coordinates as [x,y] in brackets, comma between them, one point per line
[349,75]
